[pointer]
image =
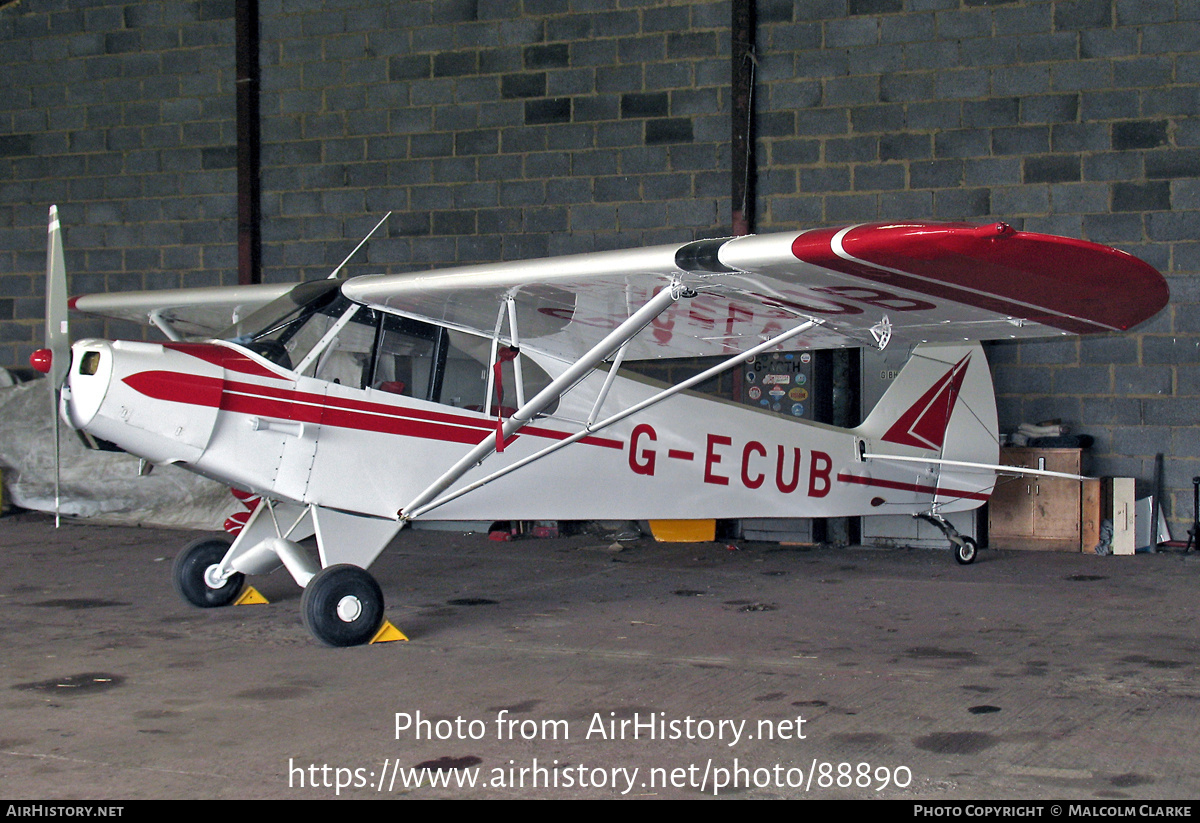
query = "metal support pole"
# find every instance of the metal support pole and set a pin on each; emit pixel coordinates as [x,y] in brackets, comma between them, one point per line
[743,66]
[249,209]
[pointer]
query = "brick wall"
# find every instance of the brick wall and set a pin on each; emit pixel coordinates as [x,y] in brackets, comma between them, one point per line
[501,129]
[123,114]
[1075,117]
[494,130]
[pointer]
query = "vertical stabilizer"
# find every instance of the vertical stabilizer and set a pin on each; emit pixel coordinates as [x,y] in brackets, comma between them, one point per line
[942,406]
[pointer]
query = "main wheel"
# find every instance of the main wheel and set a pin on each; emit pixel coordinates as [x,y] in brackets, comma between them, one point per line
[190,574]
[342,606]
[967,551]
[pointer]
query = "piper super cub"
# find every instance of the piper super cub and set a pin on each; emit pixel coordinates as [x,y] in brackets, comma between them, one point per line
[356,406]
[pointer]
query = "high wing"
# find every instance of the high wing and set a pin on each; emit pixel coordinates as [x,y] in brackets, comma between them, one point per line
[868,284]
[200,312]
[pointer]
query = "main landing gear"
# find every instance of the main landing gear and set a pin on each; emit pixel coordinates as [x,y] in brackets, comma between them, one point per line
[195,578]
[342,605]
[965,548]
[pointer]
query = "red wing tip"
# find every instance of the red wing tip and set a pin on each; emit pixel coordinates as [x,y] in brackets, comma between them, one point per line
[71,301]
[1067,283]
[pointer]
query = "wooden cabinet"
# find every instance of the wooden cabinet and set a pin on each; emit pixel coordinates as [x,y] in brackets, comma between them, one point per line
[1037,512]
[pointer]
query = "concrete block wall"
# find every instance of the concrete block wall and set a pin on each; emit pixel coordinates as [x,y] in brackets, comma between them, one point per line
[1073,117]
[493,130]
[123,115]
[503,129]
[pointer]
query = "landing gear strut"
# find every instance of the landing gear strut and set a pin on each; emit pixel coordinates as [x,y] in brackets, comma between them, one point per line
[965,548]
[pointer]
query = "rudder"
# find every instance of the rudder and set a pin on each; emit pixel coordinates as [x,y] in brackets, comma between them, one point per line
[942,406]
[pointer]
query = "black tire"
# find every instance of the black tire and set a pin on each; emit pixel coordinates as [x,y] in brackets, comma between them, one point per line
[187,573]
[967,552]
[360,597]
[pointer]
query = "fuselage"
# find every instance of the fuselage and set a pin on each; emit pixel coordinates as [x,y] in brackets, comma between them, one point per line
[226,412]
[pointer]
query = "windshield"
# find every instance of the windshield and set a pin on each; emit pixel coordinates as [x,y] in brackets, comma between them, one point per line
[382,352]
[285,329]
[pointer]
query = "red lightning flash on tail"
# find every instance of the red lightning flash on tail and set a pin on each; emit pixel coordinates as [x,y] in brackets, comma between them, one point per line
[924,424]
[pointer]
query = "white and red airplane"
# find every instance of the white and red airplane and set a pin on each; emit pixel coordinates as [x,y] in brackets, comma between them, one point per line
[356,406]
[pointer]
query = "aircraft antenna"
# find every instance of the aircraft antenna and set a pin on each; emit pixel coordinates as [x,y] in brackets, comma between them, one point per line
[341,265]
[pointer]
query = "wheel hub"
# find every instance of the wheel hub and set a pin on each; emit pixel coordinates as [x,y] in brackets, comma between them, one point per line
[349,608]
[213,578]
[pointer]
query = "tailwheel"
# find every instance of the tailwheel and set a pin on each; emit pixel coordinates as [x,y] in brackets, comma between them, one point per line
[966,552]
[194,574]
[342,606]
[965,548]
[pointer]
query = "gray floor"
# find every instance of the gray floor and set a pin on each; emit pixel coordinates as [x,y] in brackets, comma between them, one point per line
[1027,675]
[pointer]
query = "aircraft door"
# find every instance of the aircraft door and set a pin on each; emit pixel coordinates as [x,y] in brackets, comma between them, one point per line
[298,441]
[372,436]
[332,378]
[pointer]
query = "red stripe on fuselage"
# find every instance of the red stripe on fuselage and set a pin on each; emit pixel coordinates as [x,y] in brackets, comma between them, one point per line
[228,359]
[177,387]
[339,412]
[909,487]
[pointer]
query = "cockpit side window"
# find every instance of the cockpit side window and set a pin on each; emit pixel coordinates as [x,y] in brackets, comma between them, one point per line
[381,351]
[418,359]
[466,376]
[406,359]
[346,359]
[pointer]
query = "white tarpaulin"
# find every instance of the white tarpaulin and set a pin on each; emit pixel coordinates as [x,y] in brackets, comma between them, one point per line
[96,484]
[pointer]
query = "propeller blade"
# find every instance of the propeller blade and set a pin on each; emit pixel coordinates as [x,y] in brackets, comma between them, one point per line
[58,339]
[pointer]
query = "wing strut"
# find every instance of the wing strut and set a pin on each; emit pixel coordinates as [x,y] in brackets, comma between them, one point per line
[589,428]
[613,341]
[613,368]
[163,325]
[509,305]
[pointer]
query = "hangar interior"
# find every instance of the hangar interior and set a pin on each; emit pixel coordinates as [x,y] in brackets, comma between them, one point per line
[219,142]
